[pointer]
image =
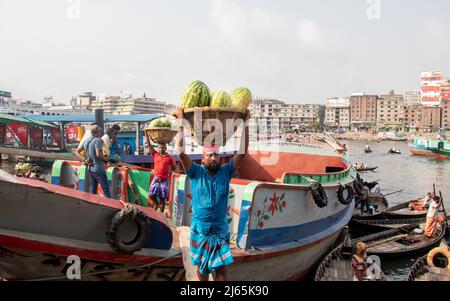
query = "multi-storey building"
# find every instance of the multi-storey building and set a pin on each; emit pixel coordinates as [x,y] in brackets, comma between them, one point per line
[413,97]
[83,102]
[430,87]
[422,118]
[445,114]
[363,110]
[337,113]
[118,105]
[271,117]
[5,98]
[390,112]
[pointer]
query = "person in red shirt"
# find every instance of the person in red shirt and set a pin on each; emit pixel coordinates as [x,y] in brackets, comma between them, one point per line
[163,165]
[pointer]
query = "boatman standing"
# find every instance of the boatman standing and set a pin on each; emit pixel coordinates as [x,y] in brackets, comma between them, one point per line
[432,217]
[210,183]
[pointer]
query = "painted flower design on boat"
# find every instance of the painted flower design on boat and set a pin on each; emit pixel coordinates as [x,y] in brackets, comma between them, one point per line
[271,206]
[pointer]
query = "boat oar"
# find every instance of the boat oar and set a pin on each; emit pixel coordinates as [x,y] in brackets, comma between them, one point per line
[392,192]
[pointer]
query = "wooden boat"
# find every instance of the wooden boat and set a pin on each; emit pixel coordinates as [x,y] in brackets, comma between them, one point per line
[337,266]
[397,212]
[377,225]
[278,231]
[421,271]
[284,244]
[41,225]
[419,148]
[399,241]
[397,152]
[368,168]
[378,200]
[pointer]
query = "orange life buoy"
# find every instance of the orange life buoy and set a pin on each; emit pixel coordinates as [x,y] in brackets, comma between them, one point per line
[440,250]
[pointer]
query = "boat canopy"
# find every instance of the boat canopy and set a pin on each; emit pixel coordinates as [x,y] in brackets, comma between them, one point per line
[24,120]
[142,118]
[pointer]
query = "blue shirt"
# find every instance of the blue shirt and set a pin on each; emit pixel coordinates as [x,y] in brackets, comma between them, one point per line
[210,197]
[90,146]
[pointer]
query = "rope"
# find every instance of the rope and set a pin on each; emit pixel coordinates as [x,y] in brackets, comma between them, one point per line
[109,271]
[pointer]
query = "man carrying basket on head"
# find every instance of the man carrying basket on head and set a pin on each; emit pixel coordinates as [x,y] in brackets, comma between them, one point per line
[163,165]
[210,182]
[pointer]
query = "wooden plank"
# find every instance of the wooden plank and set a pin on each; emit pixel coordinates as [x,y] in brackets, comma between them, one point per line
[382,241]
[191,270]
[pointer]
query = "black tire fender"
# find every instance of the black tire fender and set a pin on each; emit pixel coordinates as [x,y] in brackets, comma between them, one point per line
[142,222]
[319,195]
[340,194]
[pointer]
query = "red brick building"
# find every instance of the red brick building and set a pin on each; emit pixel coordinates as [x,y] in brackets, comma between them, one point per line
[445,103]
[421,118]
[363,110]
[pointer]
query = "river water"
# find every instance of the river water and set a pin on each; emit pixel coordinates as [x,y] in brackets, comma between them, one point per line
[415,175]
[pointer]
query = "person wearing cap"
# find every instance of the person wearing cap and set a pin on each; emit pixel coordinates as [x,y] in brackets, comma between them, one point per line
[359,263]
[163,165]
[210,185]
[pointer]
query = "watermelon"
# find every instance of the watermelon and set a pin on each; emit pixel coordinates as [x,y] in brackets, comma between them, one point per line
[157,123]
[166,122]
[221,99]
[196,94]
[241,98]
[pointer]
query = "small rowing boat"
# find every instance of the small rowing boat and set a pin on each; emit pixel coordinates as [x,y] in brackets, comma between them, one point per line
[401,241]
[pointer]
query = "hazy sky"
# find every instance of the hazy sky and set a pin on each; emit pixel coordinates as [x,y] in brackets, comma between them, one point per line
[292,50]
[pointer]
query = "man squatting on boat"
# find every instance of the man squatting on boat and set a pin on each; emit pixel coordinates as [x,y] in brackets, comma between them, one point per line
[210,182]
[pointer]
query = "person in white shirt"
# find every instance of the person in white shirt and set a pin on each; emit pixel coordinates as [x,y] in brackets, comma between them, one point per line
[432,216]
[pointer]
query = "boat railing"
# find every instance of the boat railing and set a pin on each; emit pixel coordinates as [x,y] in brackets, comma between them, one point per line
[304,179]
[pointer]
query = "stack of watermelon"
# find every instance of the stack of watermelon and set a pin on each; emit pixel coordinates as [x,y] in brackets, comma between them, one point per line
[161,123]
[197,94]
[160,131]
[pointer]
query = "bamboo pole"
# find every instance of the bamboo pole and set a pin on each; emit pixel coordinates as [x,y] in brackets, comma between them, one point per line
[37,154]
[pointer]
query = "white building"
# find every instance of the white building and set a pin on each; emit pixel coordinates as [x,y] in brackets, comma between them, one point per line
[271,117]
[411,98]
[337,113]
[125,106]
[390,111]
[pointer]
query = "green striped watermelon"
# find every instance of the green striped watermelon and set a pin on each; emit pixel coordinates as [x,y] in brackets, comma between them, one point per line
[221,99]
[196,94]
[241,98]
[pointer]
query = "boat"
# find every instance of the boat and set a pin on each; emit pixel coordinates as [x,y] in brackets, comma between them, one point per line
[397,152]
[337,266]
[401,241]
[442,150]
[368,150]
[42,225]
[365,168]
[397,212]
[421,271]
[279,229]
[378,200]
[399,136]
[419,148]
